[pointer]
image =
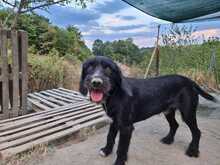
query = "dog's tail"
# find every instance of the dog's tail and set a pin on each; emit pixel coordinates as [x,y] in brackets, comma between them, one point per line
[204,94]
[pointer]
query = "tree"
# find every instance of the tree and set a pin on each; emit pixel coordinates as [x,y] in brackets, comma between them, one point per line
[19,7]
[45,38]
[108,49]
[177,39]
[97,48]
[124,51]
[179,36]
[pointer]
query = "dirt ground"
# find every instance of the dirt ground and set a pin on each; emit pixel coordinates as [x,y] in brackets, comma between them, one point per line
[145,146]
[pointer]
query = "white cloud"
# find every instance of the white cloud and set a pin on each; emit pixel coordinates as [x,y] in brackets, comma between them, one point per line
[89,43]
[108,21]
[207,33]
[108,24]
[113,20]
[135,30]
[92,5]
[144,41]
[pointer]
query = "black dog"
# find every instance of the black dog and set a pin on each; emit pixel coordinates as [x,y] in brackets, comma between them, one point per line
[130,100]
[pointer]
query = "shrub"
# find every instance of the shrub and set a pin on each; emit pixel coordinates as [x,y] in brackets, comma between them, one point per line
[45,72]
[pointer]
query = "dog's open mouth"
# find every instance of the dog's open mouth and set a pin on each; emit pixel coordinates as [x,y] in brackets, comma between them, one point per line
[96,95]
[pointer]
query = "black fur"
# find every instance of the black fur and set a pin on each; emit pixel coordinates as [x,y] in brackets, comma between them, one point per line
[130,100]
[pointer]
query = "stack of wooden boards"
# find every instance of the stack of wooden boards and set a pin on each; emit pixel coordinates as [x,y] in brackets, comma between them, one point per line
[54,98]
[63,112]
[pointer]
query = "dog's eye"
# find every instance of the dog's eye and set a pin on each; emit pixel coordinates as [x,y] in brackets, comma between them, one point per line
[108,71]
[90,68]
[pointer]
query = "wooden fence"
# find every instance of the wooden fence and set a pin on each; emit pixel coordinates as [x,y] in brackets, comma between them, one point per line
[13,73]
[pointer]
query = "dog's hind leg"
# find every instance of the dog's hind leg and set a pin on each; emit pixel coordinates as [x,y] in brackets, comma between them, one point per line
[170,116]
[188,112]
[193,149]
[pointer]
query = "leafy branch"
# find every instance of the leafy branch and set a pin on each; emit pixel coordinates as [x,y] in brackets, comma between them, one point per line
[18,7]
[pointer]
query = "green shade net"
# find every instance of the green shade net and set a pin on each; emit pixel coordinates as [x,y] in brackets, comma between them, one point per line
[179,10]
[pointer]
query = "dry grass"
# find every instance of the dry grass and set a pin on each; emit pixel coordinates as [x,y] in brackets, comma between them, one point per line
[23,158]
[45,72]
[72,73]
[136,72]
[131,71]
[206,79]
[203,78]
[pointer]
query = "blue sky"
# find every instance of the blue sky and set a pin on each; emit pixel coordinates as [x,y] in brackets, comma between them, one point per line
[114,19]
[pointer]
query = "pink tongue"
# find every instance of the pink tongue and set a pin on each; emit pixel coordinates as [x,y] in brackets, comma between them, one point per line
[96,96]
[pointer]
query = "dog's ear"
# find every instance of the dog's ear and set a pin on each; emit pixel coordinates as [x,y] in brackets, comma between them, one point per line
[126,87]
[122,82]
[82,89]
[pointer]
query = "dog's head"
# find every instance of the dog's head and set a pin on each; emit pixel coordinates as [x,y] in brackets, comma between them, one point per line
[101,77]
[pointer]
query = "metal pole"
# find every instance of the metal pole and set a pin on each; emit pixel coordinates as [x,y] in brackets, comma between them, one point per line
[157,52]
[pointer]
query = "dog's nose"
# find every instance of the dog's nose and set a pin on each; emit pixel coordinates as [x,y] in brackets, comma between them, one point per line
[96,82]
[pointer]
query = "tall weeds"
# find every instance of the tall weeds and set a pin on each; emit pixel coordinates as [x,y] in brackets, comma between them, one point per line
[45,72]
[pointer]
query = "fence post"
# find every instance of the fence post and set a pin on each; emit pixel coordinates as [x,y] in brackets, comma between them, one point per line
[5,74]
[23,40]
[15,73]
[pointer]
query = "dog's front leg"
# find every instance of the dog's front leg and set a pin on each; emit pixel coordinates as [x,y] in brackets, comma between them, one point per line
[124,141]
[113,130]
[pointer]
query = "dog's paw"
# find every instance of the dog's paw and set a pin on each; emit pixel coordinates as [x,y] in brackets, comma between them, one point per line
[104,152]
[120,162]
[192,152]
[167,140]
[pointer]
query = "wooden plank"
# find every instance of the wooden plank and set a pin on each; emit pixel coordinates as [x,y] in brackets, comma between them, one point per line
[28,121]
[40,123]
[44,140]
[75,93]
[6,122]
[4,116]
[59,113]
[58,97]
[31,122]
[51,99]
[23,140]
[28,138]
[43,101]
[69,94]
[10,75]
[49,125]
[39,105]
[24,48]
[64,95]
[70,91]
[8,34]
[15,70]
[5,87]
[69,123]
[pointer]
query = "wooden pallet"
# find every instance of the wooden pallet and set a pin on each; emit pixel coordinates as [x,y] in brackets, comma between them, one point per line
[24,132]
[53,98]
[14,74]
